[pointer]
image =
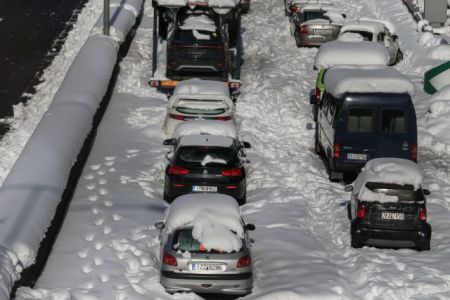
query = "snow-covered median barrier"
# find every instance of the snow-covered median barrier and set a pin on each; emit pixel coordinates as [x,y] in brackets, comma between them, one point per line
[437,121]
[32,191]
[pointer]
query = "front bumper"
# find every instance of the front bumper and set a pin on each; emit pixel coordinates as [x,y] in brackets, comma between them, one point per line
[389,236]
[232,284]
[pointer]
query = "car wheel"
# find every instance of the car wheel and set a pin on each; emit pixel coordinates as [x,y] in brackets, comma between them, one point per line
[167,198]
[169,73]
[334,176]
[355,243]
[424,246]
[317,147]
[349,211]
[243,200]
[399,56]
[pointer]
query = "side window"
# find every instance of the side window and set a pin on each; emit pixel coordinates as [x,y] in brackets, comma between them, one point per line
[393,121]
[360,120]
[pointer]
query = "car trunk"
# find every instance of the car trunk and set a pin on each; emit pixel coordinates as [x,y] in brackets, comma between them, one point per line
[392,214]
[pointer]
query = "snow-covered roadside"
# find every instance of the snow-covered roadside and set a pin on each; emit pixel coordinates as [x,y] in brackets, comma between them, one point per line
[107,247]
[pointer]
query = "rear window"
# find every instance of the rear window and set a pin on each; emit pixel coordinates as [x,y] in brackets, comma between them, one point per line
[393,121]
[313,15]
[184,241]
[200,107]
[404,193]
[207,156]
[360,120]
[367,36]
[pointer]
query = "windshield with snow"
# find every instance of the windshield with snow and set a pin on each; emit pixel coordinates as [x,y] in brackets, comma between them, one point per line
[184,241]
[207,156]
[405,193]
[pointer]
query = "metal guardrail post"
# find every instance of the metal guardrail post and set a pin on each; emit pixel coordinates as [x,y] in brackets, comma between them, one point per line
[106,17]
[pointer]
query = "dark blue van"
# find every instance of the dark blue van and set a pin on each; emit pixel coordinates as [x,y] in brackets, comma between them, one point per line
[354,127]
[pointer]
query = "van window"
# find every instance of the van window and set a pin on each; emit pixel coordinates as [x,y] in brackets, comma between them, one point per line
[360,120]
[393,121]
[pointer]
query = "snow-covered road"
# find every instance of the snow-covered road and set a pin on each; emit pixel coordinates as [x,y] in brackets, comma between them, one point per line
[107,247]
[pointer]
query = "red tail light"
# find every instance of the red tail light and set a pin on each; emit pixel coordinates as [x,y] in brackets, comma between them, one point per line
[294,9]
[336,150]
[231,187]
[414,152]
[219,65]
[361,211]
[244,261]
[225,118]
[154,83]
[177,117]
[303,29]
[169,260]
[232,172]
[423,214]
[178,171]
[317,94]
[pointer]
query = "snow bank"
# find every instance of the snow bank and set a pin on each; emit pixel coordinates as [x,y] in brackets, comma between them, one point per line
[350,53]
[437,120]
[440,52]
[220,128]
[366,79]
[368,26]
[215,220]
[122,18]
[201,87]
[387,170]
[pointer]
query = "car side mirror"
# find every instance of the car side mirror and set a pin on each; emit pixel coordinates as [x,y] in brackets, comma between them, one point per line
[348,188]
[246,145]
[312,99]
[160,225]
[249,227]
[169,142]
[344,16]
[426,192]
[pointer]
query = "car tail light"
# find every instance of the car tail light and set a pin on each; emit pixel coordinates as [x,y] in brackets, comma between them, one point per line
[177,117]
[224,118]
[178,185]
[231,187]
[336,150]
[423,214]
[154,83]
[414,152]
[178,171]
[303,29]
[361,211]
[244,261]
[317,94]
[232,172]
[169,260]
[294,9]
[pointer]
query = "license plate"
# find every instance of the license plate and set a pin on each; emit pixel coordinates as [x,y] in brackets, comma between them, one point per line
[208,189]
[323,31]
[392,216]
[357,156]
[207,267]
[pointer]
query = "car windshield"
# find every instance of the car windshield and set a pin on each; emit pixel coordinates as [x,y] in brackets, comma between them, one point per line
[202,156]
[184,241]
[313,15]
[405,193]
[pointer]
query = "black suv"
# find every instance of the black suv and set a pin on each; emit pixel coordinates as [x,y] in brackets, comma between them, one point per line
[206,164]
[198,46]
[390,224]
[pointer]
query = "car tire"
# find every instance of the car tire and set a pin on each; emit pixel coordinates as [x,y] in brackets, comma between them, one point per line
[334,176]
[317,147]
[349,211]
[355,243]
[398,57]
[167,198]
[169,74]
[243,200]
[424,246]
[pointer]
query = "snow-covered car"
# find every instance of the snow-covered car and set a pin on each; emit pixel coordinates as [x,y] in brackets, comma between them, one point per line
[201,162]
[388,206]
[294,6]
[197,99]
[197,46]
[205,246]
[344,53]
[366,112]
[374,31]
[315,24]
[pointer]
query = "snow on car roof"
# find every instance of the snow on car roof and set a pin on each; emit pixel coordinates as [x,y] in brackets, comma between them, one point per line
[201,127]
[387,170]
[197,86]
[316,6]
[206,140]
[366,79]
[199,22]
[387,24]
[193,3]
[215,220]
[370,26]
[350,53]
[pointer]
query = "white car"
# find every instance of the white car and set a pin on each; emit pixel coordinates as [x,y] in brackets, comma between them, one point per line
[197,99]
[374,31]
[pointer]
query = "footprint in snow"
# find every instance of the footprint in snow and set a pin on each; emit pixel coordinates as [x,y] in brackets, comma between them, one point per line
[99,221]
[95,167]
[102,181]
[104,277]
[90,187]
[108,203]
[98,261]
[83,253]
[89,176]
[109,158]
[98,246]
[101,172]
[117,217]
[86,268]
[107,230]
[93,198]
[103,191]
[89,237]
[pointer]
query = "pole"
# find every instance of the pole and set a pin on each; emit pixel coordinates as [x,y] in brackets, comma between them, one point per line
[106,17]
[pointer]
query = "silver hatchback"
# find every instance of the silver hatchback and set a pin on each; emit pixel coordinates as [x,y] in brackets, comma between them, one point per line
[315,25]
[187,266]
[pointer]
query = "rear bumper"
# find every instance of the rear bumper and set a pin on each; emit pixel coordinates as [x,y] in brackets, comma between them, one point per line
[232,284]
[390,237]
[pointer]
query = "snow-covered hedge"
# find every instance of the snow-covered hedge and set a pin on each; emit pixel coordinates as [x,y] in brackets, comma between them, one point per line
[33,189]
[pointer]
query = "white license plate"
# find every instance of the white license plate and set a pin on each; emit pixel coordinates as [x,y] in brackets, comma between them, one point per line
[357,156]
[392,216]
[323,31]
[208,189]
[207,267]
